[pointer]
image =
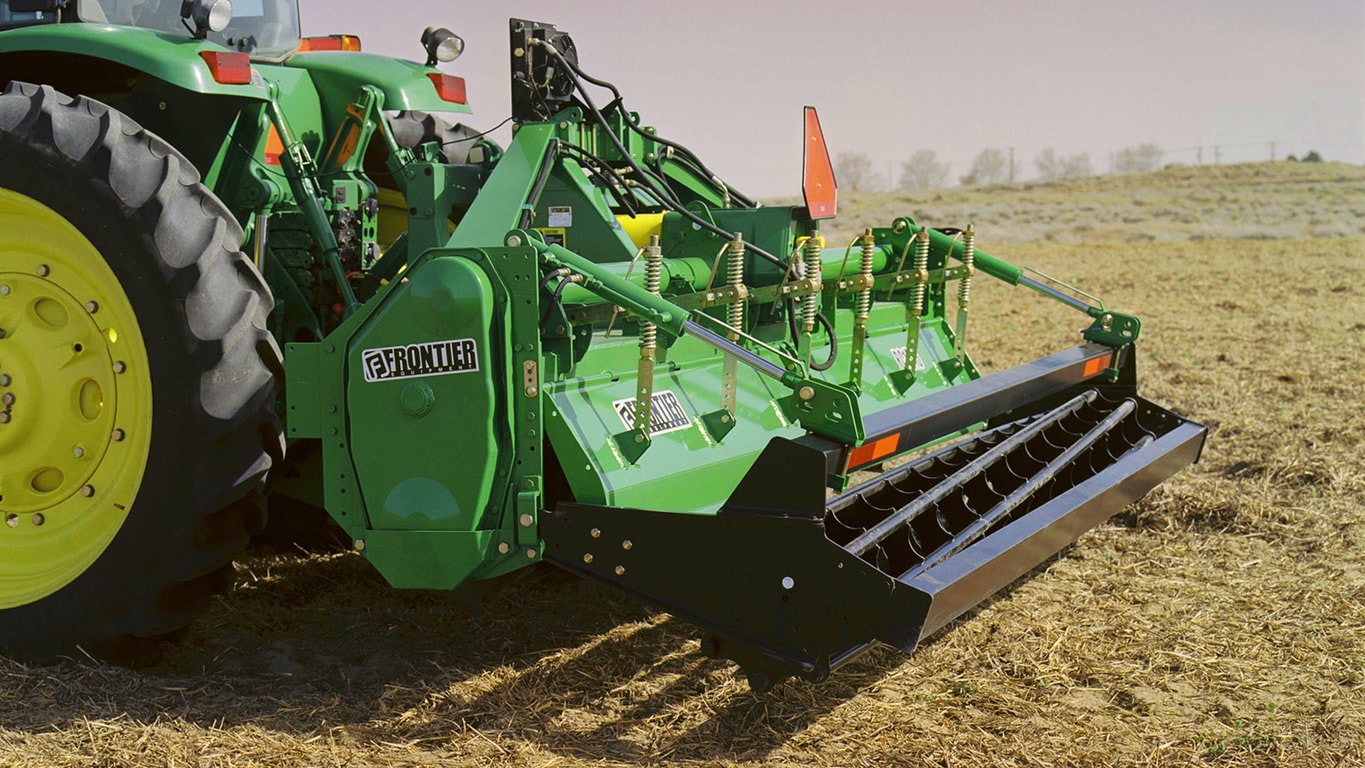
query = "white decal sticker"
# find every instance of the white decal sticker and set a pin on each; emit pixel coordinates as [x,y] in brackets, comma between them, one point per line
[561,216]
[666,414]
[898,354]
[433,358]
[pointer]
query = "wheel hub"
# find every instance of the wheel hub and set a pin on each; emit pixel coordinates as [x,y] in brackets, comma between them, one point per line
[75,402]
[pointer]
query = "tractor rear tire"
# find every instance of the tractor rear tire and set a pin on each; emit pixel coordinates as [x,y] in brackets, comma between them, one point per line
[138,381]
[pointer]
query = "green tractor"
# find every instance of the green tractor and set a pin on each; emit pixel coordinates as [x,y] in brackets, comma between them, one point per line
[234,260]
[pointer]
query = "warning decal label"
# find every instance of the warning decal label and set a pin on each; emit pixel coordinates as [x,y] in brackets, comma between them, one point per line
[434,358]
[666,414]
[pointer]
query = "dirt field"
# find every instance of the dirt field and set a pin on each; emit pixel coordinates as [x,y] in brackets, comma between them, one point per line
[1220,621]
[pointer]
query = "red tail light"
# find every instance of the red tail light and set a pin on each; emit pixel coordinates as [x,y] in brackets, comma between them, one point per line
[227,67]
[449,87]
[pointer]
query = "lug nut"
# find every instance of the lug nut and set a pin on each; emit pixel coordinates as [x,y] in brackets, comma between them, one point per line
[38,518]
[117,436]
[8,399]
[4,379]
[43,270]
[92,307]
[78,452]
[4,290]
[12,521]
[4,417]
[120,367]
[87,491]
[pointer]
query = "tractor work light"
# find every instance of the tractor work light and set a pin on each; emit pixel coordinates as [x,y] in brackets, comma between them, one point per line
[207,15]
[441,45]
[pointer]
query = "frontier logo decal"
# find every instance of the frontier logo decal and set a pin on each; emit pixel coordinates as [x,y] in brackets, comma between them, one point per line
[433,358]
[666,414]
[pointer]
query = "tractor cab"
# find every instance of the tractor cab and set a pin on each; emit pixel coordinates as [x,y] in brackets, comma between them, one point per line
[266,29]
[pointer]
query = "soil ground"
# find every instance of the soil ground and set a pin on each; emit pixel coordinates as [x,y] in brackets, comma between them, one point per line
[1220,621]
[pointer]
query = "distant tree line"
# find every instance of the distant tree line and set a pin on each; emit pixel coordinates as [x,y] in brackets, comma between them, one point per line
[924,169]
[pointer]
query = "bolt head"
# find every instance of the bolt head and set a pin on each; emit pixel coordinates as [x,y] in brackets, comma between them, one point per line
[627,545]
[78,452]
[504,548]
[596,533]
[620,570]
[38,518]
[4,290]
[531,554]
[527,521]
[588,558]
[120,367]
[87,491]
[806,393]
[360,545]
[8,398]
[92,307]
[513,241]
[43,270]
[117,435]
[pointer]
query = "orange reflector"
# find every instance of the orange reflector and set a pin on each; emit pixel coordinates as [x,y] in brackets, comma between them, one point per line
[1093,367]
[274,147]
[449,87]
[330,43]
[817,178]
[228,67]
[870,452]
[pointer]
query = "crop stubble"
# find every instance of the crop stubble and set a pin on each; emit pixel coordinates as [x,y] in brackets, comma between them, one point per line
[1219,621]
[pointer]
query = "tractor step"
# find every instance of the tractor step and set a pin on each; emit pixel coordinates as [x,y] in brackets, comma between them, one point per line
[787,582]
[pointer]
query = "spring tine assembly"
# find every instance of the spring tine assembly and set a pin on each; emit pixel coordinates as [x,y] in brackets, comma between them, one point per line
[862,310]
[903,378]
[634,442]
[964,293]
[719,423]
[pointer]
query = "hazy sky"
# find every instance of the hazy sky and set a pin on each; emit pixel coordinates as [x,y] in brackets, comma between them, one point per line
[729,79]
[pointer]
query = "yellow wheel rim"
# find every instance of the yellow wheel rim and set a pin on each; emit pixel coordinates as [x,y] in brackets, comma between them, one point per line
[75,402]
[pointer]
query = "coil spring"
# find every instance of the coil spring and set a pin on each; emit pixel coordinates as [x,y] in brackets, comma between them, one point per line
[812,303]
[865,296]
[921,271]
[654,262]
[735,271]
[964,289]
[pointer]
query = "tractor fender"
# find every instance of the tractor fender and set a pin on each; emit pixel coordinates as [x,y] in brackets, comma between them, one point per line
[406,85]
[176,60]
